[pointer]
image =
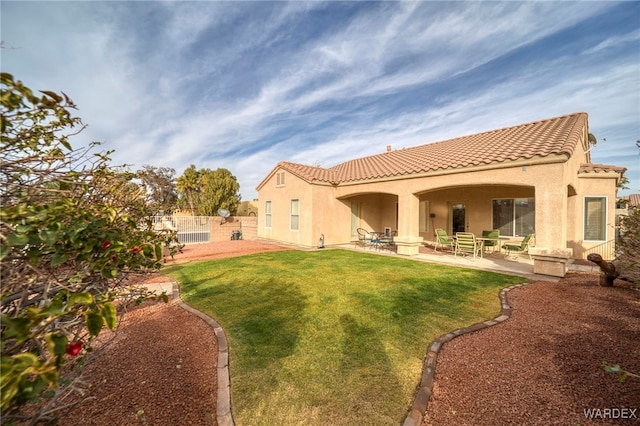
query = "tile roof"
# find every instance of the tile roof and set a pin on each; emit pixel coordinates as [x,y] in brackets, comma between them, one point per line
[595,168]
[634,200]
[558,135]
[310,173]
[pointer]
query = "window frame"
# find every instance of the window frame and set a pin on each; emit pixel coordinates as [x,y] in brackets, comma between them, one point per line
[514,218]
[424,213]
[295,215]
[280,179]
[268,217]
[605,204]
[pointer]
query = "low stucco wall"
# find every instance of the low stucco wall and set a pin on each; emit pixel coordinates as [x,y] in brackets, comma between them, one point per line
[222,230]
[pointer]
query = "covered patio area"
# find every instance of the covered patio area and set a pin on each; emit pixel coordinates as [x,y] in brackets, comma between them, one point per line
[535,178]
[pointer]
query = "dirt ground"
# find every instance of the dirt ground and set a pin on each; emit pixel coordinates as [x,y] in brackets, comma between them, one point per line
[224,249]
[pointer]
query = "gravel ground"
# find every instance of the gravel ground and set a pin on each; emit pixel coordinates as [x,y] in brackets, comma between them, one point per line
[160,370]
[542,366]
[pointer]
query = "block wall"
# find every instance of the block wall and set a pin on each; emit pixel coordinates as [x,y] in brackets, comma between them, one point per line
[222,231]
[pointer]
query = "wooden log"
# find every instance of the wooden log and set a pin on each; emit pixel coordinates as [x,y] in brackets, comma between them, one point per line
[609,271]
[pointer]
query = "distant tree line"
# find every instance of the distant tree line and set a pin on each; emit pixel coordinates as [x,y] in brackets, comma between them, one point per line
[200,192]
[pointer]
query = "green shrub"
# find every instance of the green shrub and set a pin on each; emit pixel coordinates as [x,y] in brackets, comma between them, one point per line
[629,246]
[71,229]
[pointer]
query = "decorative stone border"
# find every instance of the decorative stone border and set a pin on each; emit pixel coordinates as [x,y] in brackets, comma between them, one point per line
[421,399]
[223,398]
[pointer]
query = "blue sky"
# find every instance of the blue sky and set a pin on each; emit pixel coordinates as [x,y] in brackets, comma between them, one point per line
[243,85]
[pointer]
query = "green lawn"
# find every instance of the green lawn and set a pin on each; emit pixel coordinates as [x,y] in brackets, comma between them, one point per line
[332,337]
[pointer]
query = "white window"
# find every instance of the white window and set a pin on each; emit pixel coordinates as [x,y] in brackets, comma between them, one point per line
[424,216]
[267,214]
[295,215]
[355,219]
[280,179]
[514,216]
[595,218]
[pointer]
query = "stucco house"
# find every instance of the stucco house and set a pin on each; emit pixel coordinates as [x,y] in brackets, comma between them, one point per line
[530,178]
[624,206]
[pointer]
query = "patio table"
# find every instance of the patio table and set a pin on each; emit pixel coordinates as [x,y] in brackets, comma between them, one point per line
[385,240]
[484,246]
[378,239]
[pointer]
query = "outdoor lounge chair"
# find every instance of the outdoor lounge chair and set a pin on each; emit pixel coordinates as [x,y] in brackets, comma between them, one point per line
[466,243]
[443,239]
[521,248]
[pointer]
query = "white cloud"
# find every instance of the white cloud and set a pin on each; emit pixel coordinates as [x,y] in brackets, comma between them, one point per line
[244,85]
[614,42]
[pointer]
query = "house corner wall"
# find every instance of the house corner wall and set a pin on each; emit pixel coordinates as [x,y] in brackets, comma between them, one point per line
[281,195]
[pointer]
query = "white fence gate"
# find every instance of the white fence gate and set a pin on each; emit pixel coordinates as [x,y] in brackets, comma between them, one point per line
[191,229]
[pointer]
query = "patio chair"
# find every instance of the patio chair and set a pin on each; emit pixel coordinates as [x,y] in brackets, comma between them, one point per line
[523,247]
[466,243]
[386,240]
[364,237]
[491,243]
[443,239]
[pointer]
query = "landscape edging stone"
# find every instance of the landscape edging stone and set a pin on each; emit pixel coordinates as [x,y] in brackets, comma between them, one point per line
[224,415]
[425,389]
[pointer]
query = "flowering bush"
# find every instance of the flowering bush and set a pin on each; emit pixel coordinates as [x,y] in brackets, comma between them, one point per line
[72,229]
[629,246]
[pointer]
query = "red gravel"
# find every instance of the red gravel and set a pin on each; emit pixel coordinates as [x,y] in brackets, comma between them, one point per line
[224,249]
[542,366]
[160,370]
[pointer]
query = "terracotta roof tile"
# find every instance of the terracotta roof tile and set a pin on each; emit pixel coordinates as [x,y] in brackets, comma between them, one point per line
[542,138]
[634,200]
[309,173]
[595,168]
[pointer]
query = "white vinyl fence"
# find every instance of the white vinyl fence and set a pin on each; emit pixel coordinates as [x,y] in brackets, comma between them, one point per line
[191,229]
[607,250]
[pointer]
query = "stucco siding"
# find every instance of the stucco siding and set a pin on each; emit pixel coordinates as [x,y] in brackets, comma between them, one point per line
[280,196]
[592,186]
[332,217]
[479,204]
[416,191]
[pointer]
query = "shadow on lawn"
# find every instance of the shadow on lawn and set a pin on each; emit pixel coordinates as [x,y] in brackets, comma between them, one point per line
[264,319]
[366,364]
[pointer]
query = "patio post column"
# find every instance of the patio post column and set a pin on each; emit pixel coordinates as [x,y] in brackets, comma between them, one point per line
[408,240]
[550,254]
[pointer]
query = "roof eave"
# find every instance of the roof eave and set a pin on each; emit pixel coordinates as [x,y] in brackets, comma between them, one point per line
[535,160]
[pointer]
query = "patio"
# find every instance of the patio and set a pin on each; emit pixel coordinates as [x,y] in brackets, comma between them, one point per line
[518,264]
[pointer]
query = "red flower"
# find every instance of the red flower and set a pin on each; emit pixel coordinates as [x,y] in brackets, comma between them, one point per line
[106,245]
[136,249]
[74,348]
